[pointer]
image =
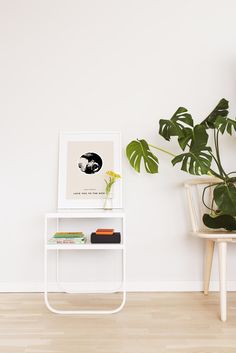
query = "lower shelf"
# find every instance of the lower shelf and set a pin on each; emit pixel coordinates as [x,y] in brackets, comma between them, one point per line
[85,246]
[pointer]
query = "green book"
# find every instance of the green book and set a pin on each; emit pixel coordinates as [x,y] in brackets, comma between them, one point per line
[68,235]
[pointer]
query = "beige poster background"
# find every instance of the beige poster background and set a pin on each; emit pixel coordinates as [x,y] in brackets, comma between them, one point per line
[87,186]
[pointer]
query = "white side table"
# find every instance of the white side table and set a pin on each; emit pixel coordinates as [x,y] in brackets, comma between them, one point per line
[84,214]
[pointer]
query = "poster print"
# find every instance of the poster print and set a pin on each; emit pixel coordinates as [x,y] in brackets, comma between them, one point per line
[84,158]
[87,165]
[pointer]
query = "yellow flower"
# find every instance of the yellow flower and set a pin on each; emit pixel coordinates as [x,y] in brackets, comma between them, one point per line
[112,179]
[113,174]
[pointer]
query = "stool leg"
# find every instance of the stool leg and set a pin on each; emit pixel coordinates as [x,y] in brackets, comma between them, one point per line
[210,245]
[222,248]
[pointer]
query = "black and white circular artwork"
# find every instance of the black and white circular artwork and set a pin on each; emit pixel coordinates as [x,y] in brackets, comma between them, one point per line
[90,163]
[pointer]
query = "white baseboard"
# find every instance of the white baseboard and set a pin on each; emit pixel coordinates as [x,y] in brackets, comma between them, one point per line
[162,286]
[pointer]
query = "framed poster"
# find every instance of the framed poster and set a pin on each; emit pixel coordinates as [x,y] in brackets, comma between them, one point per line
[84,158]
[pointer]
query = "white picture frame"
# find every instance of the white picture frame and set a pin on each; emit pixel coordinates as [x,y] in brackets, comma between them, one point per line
[80,182]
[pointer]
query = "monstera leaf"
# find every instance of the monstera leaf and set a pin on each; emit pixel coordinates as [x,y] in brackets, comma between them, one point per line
[138,151]
[195,138]
[225,198]
[194,163]
[187,135]
[225,124]
[220,110]
[199,138]
[198,160]
[176,125]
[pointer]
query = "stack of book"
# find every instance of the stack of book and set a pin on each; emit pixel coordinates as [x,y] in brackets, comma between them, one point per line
[68,238]
[105,235]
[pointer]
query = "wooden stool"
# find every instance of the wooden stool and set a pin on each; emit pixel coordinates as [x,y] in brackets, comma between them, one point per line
[194,190]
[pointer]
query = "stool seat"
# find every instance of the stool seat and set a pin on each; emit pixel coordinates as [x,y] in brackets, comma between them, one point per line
[219,234]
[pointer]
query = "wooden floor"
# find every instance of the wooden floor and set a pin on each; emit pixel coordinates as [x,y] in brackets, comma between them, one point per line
[149,323]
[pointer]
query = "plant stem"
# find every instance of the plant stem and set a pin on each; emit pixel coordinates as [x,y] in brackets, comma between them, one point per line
[162,150]
[212,171]
[219,165]
[216,174]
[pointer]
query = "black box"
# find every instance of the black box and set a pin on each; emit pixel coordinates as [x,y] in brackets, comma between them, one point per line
[105,239]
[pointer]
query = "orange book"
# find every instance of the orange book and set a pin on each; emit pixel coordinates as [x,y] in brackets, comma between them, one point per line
[105,231]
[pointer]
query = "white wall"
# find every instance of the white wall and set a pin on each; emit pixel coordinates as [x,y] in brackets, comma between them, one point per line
[115,65]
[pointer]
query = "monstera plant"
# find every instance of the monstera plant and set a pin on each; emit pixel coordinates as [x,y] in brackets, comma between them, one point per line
[197,157]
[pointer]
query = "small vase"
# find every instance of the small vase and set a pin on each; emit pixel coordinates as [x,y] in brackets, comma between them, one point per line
[108,202]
